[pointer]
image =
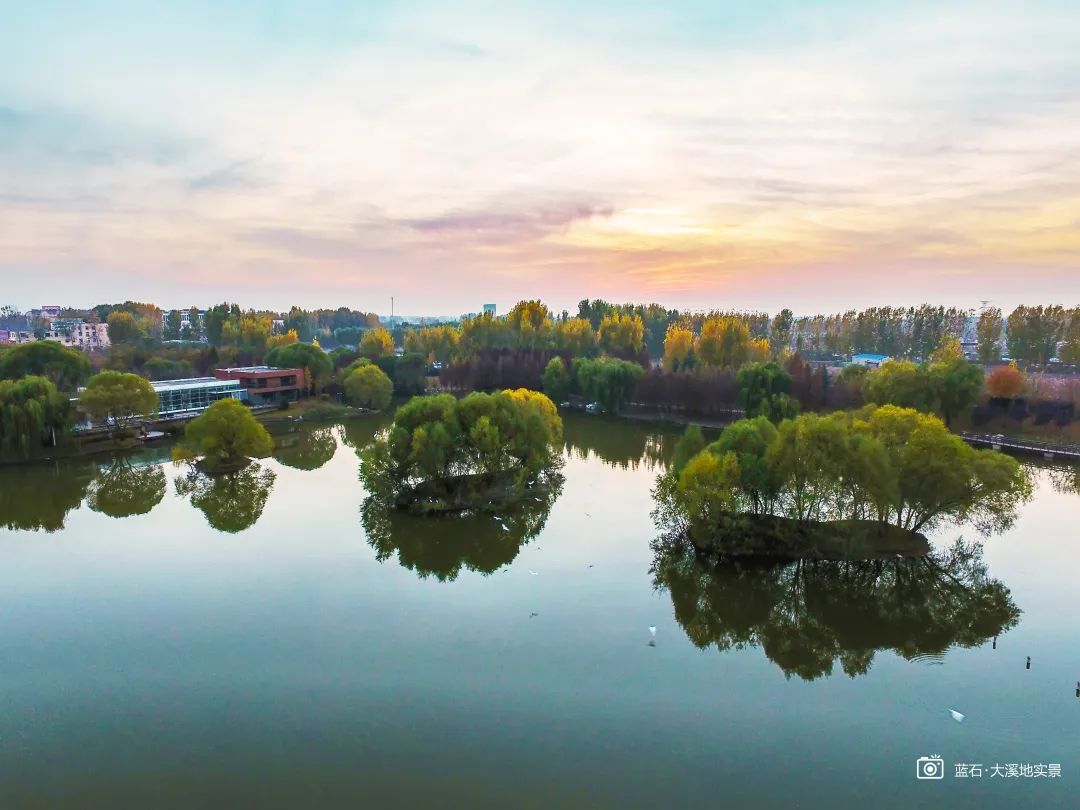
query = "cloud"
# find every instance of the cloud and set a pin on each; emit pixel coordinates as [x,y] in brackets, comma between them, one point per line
[499,225]
[240,174]
[662,147]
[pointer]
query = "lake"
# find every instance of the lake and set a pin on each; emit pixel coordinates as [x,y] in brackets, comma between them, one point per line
[264,641]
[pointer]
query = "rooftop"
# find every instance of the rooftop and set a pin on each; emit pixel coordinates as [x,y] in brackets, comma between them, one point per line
[192,382]
[254,369]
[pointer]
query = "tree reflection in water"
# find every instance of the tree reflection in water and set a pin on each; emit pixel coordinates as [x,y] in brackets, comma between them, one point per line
[359,431]
[39,496]
[124,489]
[231,501]
[810,614]
[306,449]
[1065,480]
[442,545]
[620,443]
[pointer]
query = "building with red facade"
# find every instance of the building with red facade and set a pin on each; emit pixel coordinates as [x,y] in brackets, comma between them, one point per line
[266,385]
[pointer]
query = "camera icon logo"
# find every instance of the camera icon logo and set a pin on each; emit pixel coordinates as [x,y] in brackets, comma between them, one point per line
[930,767]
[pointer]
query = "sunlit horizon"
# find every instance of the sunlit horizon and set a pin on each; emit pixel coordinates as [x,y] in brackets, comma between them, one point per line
[700,155]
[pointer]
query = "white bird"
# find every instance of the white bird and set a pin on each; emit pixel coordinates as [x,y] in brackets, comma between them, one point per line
[505,528]
[652,630]
[534,573]
[959,718]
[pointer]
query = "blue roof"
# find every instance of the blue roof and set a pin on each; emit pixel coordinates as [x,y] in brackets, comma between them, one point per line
[866,356]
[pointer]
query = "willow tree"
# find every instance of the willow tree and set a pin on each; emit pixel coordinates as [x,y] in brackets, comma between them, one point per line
[63,367]
[31,411]
[118,398]
[368,387]
[224,438]
[444,454]
[885,465]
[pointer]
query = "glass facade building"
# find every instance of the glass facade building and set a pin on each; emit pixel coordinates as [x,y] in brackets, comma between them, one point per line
[197,394]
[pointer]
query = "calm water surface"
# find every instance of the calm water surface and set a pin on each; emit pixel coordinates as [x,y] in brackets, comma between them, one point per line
[263,641]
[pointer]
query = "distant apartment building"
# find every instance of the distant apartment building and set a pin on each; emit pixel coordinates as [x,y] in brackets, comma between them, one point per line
[77,334]
[266,385]
[489,309]
[9,336]
[90,337]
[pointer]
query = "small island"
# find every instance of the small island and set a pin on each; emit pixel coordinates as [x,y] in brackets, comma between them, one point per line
[223,439]
[853,485]
[481,452]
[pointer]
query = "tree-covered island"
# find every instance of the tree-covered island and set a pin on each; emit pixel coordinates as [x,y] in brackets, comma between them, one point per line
[483,451]
[840,486]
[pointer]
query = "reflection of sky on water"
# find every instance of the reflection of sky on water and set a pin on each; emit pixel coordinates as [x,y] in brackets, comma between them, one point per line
[283,662]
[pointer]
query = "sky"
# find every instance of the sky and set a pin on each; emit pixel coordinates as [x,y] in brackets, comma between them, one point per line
[722,154]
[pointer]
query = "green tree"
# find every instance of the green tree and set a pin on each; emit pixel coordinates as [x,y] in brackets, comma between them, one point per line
[31,409]
[124,328]
[376,343]
[878,465]
[302,321]
[556,380]
[368,387]
[750,440]
[764,390]
[988,330]
[708,491]
[901,383]
[1034,332]
[117,398]
[317,365]
[64,367]
[689,445]
[173,320]
[445,454]
[224,437]
[780,329]
[214,323]
[606,380]
[1070,346]
[956,382]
